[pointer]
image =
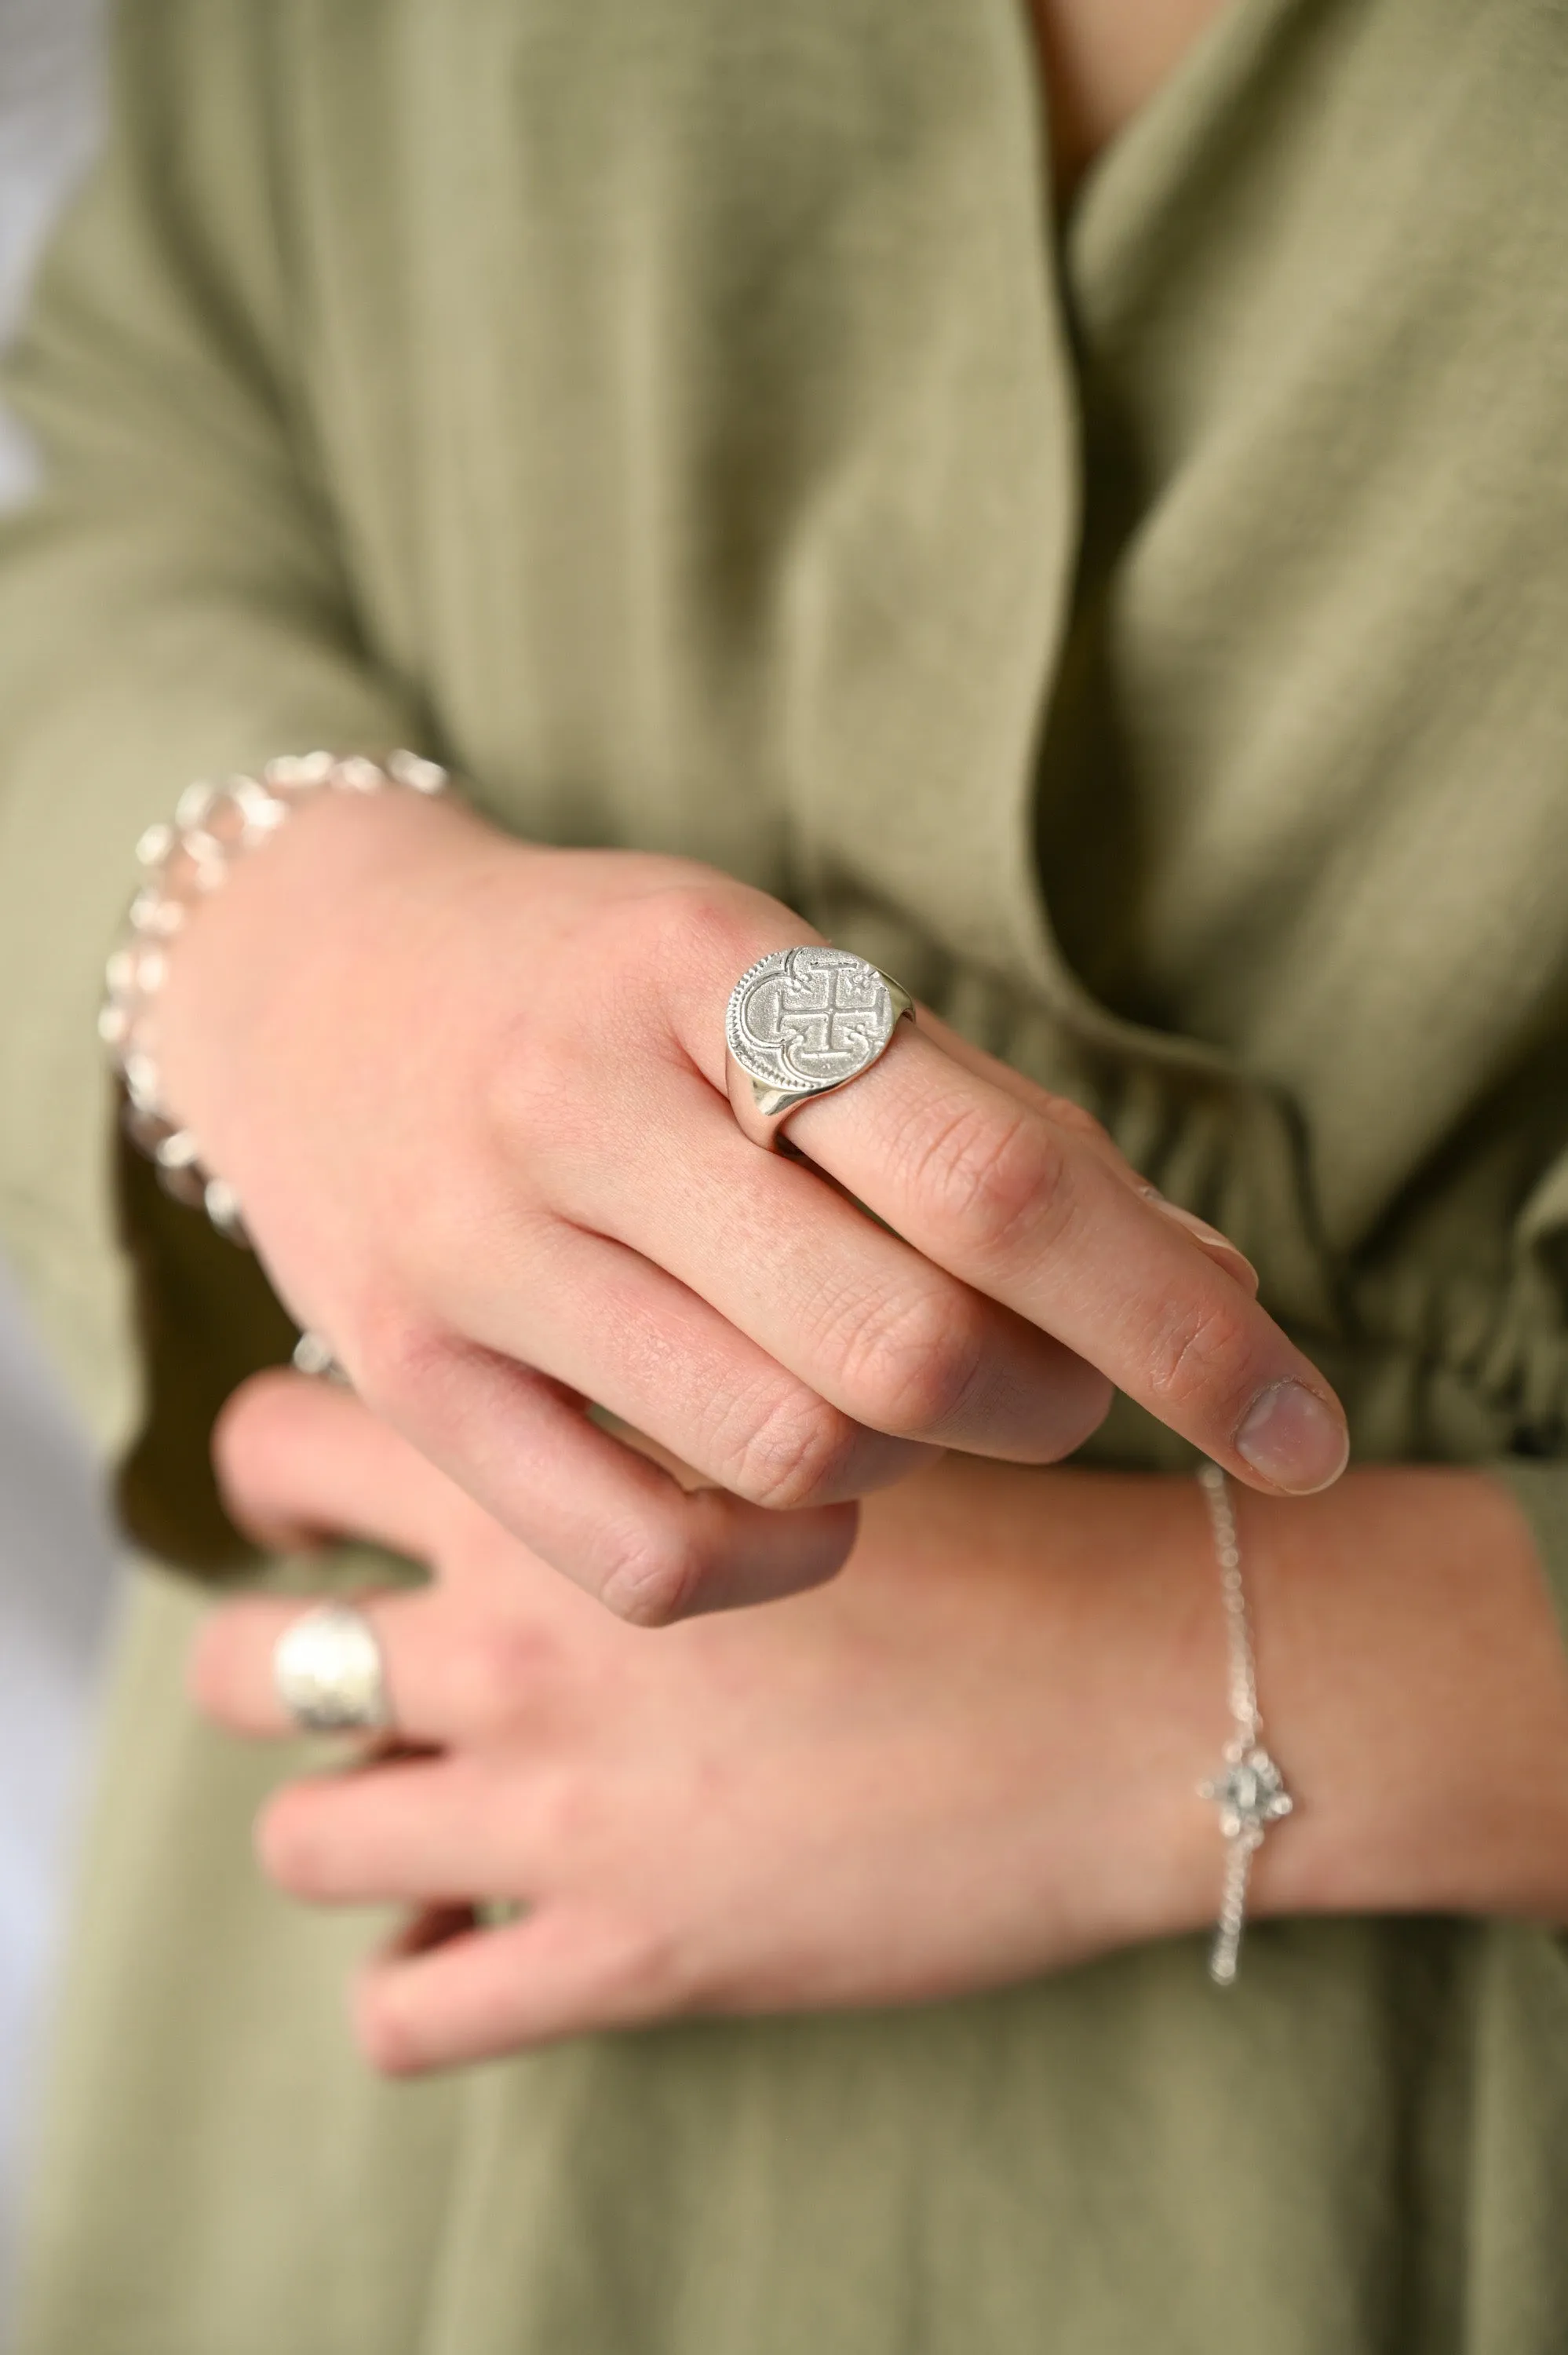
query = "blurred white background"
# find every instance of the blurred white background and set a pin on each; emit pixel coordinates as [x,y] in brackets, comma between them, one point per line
[55,1574]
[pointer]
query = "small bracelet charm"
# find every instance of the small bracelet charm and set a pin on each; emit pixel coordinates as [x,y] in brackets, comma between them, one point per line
[1249,1791]
[213,825]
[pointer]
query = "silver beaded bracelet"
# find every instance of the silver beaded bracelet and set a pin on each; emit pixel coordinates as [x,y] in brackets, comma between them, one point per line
[1249,1790]
[181,862]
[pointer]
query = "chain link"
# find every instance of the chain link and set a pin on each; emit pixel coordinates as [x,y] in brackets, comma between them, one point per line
[1249,1791]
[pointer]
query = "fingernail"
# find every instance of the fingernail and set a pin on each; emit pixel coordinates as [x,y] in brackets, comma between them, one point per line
[1210,1237]
[1295,1439]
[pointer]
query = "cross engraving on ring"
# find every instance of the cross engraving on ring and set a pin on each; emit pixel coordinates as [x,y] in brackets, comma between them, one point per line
[810,1018]
[825,1022]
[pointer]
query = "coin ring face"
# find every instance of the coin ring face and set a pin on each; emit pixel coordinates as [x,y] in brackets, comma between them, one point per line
[329,1674]
[804,1021]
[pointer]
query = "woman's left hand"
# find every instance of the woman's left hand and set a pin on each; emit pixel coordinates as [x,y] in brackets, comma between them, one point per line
[971,1759]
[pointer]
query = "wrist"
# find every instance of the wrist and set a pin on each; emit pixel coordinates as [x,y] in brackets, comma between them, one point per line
[316,913]
[1418,1695]
[1118,1658]
[1176,1717]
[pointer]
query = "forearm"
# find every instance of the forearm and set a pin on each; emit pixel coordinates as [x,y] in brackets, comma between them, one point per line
[1410,1669]
[971,1759]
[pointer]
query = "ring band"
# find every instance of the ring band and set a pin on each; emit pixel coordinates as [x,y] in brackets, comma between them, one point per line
[329,1673]
[800,1024]
[312,1356]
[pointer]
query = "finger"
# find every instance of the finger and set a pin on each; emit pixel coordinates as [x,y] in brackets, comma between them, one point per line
[1071,1115]
[695,984]
[454,1675]
[563,1970]
[855,1316]
[1220,1248]
[612,1326]
[409,1832]
[610,1518]
[230,1672]
[1010,1202]
[1026,1210]
[299,1461]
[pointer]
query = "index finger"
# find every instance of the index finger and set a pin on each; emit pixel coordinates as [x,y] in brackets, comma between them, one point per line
[1023,1208]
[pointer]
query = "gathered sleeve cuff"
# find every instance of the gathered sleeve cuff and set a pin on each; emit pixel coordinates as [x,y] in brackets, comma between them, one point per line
[1540,1489]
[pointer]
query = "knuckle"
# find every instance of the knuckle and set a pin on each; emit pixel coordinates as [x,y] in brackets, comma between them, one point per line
[989,1177]
[795,1452]
[654,1574]
[698,910]
[912,1367]
[644,1974]
[396,1360]
[562,1816]
[1067,1113]
[1199,1356]
[702,930]
[494,1676]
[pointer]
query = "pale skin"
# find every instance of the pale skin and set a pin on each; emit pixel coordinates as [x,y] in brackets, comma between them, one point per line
[476,1116]
[1105,59]
[500,1197]
[971,1758]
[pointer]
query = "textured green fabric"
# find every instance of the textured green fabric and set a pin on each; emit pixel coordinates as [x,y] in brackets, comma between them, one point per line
[1146,639]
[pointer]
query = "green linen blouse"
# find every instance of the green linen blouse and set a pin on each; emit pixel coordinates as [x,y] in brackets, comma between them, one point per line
[1146,634]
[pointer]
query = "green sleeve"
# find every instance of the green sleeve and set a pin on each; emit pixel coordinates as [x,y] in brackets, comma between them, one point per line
[174,604]
[1539,1488]
[1529,1348]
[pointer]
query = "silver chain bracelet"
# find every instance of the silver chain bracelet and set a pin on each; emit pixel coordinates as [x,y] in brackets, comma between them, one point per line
[181,862]
[1249,1790]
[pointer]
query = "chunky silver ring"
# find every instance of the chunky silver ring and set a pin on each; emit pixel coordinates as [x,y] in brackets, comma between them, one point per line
[801,1023]
[330,1674]
[312,1356]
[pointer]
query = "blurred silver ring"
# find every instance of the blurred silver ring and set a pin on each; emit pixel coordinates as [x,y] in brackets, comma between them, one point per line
[801,1023]
[314,1356]
[329,1673]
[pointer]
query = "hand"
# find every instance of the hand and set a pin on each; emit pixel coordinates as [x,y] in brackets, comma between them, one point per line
[974,1758]
[971,1759]
[471,1096]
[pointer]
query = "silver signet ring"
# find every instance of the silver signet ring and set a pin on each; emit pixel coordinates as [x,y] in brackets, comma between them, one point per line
[801,1023]
[330,1674]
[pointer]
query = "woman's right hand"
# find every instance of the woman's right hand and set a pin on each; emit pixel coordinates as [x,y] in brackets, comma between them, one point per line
[472,1095]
